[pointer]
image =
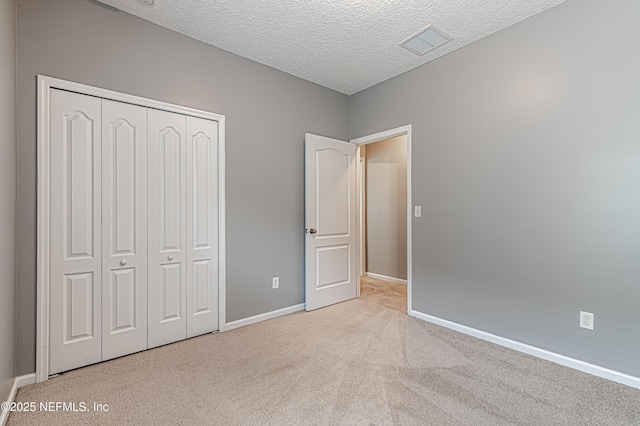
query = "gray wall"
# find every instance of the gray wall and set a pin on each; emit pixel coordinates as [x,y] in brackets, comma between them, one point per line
[526,160]
[386,212]
[7,194]
[267,114]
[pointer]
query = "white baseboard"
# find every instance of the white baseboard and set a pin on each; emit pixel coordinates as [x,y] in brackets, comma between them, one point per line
[263,317]
[26,380]
[18,382]
[576,364]
[386,278]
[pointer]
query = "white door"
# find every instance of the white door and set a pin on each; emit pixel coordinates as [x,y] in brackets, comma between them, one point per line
[75,246]
[167,232]
[124,229]
[202,226]
[330,210]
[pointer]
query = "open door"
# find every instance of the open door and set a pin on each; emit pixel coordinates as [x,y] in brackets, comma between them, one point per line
[330,221]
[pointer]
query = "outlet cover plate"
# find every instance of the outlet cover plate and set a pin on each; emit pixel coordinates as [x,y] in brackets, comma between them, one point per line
[586,320]
[276,282]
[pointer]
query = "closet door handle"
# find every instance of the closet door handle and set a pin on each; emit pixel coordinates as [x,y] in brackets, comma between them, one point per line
[123,262]
[170,258]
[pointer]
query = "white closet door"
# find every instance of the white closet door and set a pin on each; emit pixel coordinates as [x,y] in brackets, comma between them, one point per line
[124,229]
[75,247]
[167,228]
[202,226]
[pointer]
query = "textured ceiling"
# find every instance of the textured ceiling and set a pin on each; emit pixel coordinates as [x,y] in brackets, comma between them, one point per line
[346,45]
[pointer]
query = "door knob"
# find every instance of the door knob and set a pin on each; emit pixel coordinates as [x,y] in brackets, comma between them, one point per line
[123,262]
[312,231]
[170,257]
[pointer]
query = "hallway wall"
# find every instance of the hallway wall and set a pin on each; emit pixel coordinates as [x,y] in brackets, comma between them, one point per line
[386,183]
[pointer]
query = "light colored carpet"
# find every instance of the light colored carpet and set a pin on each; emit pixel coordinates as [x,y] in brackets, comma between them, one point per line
[385,293]
[354,363]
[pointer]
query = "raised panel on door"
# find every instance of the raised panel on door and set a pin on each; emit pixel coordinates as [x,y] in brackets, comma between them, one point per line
[167,232]
[124,229]
[202,226]
[75,243]
[330,204]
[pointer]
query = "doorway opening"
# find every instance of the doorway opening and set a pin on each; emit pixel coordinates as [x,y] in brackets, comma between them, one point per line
[384,217]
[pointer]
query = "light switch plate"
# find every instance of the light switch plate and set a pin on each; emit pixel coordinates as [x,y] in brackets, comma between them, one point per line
[417,211]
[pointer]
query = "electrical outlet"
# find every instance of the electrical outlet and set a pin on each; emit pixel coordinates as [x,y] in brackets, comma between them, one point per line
[276,282]
[586,320]
[417,211]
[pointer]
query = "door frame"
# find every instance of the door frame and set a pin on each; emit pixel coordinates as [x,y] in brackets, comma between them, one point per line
[361,221]
[376,137]
[45,84]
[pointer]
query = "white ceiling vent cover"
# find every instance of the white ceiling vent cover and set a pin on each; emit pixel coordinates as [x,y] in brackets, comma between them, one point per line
[425,40]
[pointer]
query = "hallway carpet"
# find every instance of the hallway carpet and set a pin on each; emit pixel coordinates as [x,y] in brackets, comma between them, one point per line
[354,363]
[385,293]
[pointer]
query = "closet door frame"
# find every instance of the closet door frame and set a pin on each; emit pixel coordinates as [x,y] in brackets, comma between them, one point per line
[45,84]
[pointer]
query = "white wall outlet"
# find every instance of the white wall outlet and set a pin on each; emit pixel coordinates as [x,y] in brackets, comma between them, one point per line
[586,320]
[417,211]
[276,282]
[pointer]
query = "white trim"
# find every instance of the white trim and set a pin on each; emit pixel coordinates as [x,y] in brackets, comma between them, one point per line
[386,278]
[45,84]
[18,382]
[566,361]
[222,234]
[387,134]
[51,82]
[26,380]
[399,131]
[263,317]
[43,214]
[361,221]
[4,415]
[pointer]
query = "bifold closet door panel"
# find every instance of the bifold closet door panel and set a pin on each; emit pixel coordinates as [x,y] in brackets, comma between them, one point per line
[124,229]
[202,226]
[167,232]
[75,336]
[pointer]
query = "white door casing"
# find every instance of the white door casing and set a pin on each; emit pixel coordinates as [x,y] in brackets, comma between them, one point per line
[361,217]
[75,252]
[124,229]
[202,226]
[330,220]
[387,134]
[167,291]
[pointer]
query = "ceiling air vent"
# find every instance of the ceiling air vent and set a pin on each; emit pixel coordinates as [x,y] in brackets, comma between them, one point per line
[425,40]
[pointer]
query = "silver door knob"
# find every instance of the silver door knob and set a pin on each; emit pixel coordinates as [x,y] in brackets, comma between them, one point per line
[170,257]
[123,262]
[312,231]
